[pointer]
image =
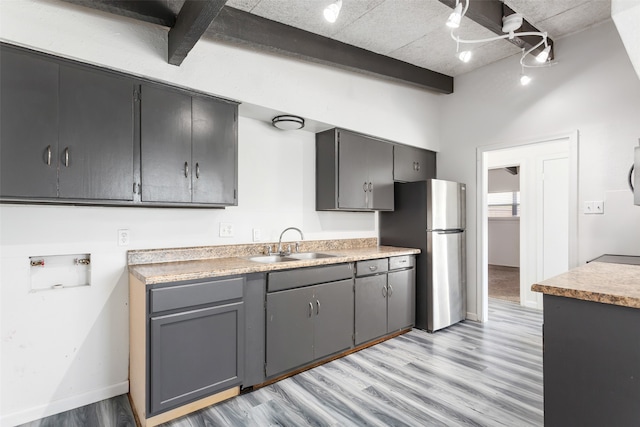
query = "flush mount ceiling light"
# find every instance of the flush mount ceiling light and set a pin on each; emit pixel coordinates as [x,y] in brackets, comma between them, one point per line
[287,122]
[332,11]
[510,24]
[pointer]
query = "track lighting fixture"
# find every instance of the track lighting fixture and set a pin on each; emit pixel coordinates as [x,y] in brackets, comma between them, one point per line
[455,17]
[510,24]
[332,11]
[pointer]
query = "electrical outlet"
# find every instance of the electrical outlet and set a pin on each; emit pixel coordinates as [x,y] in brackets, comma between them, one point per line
[123,237]
[257,235]
[226,229]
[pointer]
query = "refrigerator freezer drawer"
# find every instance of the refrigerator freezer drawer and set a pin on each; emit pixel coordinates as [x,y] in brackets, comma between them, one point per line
[446,286]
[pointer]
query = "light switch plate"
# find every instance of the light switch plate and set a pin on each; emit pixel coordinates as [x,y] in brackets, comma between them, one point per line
[598,207]
[226,229]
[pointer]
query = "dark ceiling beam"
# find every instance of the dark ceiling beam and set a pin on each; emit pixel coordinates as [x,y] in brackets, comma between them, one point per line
[154,12]
[257,33]
[489,13]
[192,21]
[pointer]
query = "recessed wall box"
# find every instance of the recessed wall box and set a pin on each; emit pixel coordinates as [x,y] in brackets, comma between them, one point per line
[52,272]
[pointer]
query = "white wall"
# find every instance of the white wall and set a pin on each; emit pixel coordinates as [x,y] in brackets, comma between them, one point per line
[594,90]
[501,181]
[504,241]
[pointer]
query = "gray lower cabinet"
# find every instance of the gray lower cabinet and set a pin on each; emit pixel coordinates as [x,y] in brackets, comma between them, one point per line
[188,148]
[384,297]
[196,341]
[413,164]
[310,322]
[354,172]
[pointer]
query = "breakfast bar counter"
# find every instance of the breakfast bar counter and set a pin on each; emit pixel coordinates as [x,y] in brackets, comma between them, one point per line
[591,340]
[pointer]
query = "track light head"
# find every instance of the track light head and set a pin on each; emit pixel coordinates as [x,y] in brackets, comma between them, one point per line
[455,17]
[332,11]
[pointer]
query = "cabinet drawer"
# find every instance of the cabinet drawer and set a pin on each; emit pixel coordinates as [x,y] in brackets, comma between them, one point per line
[187,295]
[404,261]
[373,266]
[281,280]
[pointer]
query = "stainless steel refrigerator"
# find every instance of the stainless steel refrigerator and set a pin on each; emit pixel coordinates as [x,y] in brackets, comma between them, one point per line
[430,215]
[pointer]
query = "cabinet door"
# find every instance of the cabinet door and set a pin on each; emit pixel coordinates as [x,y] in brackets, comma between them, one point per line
[289,330]
[214,151]
[195,354]
[333,328]
[380,170]
[401,299]
[352,171]
[413,164]
[96,135]
[29,125]
[371,307]
[166,145]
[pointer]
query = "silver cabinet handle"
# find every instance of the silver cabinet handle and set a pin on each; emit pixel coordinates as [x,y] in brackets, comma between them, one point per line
[317,307]
[370,187]
[186,170]
[197,170]
[390,290]
[364,187]
[310,309]
[384,291]
[48,155]
[66,157]
[373,267]
[417,166]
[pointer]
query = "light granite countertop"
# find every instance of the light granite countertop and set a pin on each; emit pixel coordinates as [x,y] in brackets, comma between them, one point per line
[165,272]
[607,283]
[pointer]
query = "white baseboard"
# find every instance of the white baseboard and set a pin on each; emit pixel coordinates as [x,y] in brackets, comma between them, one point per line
[473,316]
[55,407]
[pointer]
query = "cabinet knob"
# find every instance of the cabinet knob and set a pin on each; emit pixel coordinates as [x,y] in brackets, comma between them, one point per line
[48,155]
[186,170]
[373,267]
[66,157]
[197,170]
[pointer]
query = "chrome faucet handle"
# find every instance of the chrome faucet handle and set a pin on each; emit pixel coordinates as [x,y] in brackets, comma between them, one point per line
[267,250]
[288,249]
[297,246]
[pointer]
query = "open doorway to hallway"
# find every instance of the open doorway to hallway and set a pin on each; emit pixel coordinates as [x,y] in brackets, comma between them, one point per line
[547,208]
[503,211]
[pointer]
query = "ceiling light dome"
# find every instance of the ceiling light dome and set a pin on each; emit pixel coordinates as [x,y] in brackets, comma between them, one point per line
[288,122]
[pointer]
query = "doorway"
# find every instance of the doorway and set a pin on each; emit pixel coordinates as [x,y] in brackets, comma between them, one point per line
[547,206]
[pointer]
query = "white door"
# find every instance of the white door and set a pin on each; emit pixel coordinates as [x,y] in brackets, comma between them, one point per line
[555,217]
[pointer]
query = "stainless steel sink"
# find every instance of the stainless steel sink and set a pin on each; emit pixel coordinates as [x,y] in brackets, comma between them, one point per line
[310,255]
[268,259]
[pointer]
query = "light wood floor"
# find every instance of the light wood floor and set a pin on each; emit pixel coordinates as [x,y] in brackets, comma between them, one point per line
[469,374]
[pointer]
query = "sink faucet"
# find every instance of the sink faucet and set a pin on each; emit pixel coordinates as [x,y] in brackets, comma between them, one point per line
[280,251]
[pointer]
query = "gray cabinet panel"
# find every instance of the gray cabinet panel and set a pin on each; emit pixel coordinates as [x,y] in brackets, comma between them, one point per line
[380,169]
[333,329]
[215,151]
[287,279]
[401,299]
[352,171]
[195,354]
[29,125]
[166,145]
[191,294]
[289,329]
[370,308]
[96,135]
[413,164]
[254,329]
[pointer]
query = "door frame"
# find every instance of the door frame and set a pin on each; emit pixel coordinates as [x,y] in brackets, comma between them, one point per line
[482,247]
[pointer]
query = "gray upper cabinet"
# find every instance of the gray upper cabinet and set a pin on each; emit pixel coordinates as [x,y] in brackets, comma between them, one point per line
[96,135]
[215,150]
[165,145]
[67,132]
[189,148]
[29,126]
[413,164]
[353,172]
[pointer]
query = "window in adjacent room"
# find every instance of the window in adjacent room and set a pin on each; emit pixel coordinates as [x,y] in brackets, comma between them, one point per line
[506,204]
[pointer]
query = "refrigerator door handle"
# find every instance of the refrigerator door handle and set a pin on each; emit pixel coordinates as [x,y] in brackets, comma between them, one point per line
[453,231]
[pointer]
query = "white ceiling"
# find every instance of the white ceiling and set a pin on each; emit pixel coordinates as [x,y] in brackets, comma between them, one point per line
[414,31]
